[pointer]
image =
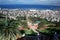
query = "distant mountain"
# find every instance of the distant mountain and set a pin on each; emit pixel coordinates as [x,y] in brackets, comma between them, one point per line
[12,6]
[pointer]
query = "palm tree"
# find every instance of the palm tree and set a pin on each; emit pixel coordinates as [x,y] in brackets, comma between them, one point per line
[9,30]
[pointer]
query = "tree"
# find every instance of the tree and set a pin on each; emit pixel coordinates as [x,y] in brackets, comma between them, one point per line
[9,31]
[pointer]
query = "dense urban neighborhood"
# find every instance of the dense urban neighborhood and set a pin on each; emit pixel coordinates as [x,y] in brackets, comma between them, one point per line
[13,13]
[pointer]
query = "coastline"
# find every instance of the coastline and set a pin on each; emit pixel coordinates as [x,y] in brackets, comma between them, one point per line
[17,6]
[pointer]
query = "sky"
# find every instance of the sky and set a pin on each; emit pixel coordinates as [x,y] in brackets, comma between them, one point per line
[40,2]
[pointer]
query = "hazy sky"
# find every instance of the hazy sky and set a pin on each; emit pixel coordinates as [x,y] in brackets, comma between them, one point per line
[42,2]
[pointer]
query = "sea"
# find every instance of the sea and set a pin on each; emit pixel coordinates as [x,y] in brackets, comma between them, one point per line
[24,6]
